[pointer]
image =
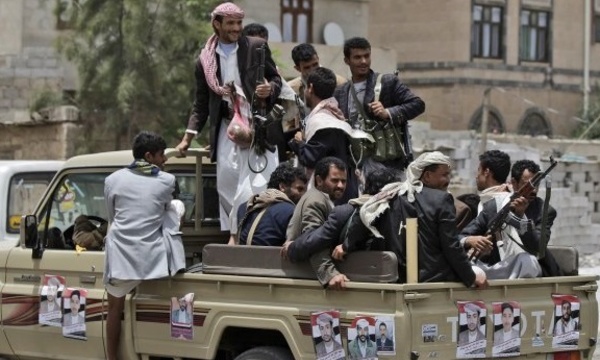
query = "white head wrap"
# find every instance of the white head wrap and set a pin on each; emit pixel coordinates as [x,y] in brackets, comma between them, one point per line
[379,203]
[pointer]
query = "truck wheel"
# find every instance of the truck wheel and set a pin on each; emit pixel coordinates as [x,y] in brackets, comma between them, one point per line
[266,353]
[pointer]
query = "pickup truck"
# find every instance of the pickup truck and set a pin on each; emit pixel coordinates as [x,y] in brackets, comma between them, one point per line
[22,183]
[246,302]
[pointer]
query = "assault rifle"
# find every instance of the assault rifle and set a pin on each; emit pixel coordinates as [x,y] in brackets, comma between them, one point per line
[260,119]
[497,222]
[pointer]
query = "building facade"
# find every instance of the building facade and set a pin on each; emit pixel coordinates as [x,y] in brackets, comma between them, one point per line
[529,53]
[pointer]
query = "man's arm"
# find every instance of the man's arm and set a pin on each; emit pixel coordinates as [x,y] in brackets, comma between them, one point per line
[309,153]
[531,237]
[324,237]
[199,115]
[401,103]
[327,274]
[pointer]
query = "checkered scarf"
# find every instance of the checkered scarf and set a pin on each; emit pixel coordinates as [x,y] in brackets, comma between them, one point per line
[208,57]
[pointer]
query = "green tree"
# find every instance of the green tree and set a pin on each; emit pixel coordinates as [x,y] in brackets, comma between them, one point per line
[591,130]
[135,61]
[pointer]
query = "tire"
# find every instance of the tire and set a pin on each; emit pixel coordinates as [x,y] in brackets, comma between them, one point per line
[266,353]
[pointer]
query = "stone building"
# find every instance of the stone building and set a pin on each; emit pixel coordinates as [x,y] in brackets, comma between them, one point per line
[530,52]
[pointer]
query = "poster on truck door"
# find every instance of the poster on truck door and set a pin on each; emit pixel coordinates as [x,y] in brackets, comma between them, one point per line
[50,300]
[182,317]
[74,313]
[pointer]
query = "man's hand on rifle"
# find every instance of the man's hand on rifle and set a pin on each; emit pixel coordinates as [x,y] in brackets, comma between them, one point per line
[519,205]
[481,245]
[263,90]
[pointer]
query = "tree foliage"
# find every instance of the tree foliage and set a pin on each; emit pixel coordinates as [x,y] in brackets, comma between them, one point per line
[591,130]
[135,61]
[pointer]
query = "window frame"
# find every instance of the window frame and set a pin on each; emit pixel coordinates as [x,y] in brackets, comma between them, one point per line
[534,15]
[287,7]
[478,36]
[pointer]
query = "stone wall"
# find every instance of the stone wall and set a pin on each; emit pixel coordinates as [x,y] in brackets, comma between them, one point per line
[48,141]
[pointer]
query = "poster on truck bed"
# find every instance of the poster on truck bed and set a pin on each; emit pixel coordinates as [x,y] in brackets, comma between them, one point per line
[182,317]
[326,335]
[471,330]
[50,300]
[384,335]
[507,329]
[565,334]
[361,338]
[74,313]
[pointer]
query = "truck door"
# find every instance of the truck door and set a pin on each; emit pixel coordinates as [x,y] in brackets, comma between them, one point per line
[74,194]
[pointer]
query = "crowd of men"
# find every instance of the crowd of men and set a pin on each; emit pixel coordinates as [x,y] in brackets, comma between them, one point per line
[322,203]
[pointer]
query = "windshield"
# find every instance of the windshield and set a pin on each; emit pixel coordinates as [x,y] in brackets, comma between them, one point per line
[24,192]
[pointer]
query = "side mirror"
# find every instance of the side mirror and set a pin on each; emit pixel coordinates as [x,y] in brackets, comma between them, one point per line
[28,231]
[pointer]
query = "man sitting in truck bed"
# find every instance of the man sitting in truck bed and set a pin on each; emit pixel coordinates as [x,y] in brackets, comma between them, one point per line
[522,235]
[314,206]
[441,258]
[264,219]
[317,245]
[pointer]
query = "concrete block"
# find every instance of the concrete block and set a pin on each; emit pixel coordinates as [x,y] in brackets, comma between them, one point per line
[23,72]
[50,63]
[20,103]
[21,83]
[46,73]
[34,63]
[578,176]
[11,93]
[7,73]
[5,103]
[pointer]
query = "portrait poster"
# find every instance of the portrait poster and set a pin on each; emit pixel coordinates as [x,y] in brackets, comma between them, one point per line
[361,338]
[471,330]
[74,313]
[182,317]
[326,335]
[385,333]
[51,300]
[565,333]
[507,329]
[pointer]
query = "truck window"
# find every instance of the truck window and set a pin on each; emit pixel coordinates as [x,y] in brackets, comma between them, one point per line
[76,194]
[24,192]
[83,194]
[187,188]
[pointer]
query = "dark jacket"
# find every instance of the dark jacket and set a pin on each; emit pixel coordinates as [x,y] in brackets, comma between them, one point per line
[530,239]
[328,142]
[270,230]
[208,104]
[441,257]
[396,97]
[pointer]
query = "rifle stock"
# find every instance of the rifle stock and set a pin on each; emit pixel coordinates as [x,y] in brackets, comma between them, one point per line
[525,190]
